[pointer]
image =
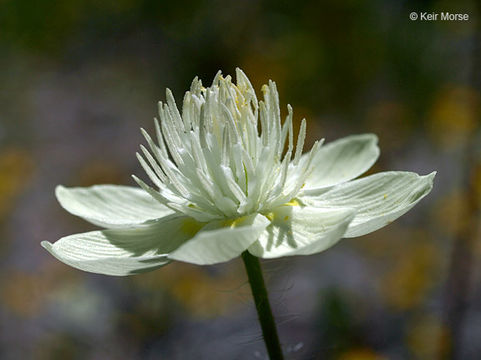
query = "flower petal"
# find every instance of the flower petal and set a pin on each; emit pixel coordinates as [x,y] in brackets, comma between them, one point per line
[341,161]
[378,199]
[301,230]
[111,206]
[125,251]
[221,241]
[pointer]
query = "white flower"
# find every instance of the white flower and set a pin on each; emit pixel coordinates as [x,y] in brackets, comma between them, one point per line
[225,182]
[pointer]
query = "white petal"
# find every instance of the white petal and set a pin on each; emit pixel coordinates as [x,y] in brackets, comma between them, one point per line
[125,251]
[379,199]
[111,206]
[341,161]
[301,230]
[221,241]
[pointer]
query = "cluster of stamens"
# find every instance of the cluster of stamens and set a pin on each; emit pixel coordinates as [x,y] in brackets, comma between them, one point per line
[214,161]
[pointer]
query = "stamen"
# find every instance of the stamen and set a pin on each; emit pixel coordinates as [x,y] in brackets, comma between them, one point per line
[186,113]
[155,166]
[160,138]
[152,176]
[300,142]
[285,129]
[174,112]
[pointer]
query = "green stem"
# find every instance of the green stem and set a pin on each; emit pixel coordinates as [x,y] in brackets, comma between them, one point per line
[261,299]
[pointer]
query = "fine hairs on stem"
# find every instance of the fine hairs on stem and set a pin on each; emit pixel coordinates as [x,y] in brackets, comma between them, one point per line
[261,299]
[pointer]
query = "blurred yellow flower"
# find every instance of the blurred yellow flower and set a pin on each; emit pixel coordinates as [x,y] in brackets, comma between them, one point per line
[361,354]
[413,275]
[454,115]
[16,166]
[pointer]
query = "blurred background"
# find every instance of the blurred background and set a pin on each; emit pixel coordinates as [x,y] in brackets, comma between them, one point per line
[79,78]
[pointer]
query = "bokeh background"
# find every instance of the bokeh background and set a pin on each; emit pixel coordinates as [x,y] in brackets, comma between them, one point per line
[78,79]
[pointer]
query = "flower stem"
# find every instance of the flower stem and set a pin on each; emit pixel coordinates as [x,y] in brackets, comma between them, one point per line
[261,299]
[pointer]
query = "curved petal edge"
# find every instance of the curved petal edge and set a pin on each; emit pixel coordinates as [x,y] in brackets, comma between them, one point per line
[301,230]
[340,161]
[378,199]
[111,206]
[123,252]
[221,241]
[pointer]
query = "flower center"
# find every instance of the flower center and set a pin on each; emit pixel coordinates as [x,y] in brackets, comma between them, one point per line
[214,161]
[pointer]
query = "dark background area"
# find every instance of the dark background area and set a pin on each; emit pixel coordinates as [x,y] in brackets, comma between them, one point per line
[79,78]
